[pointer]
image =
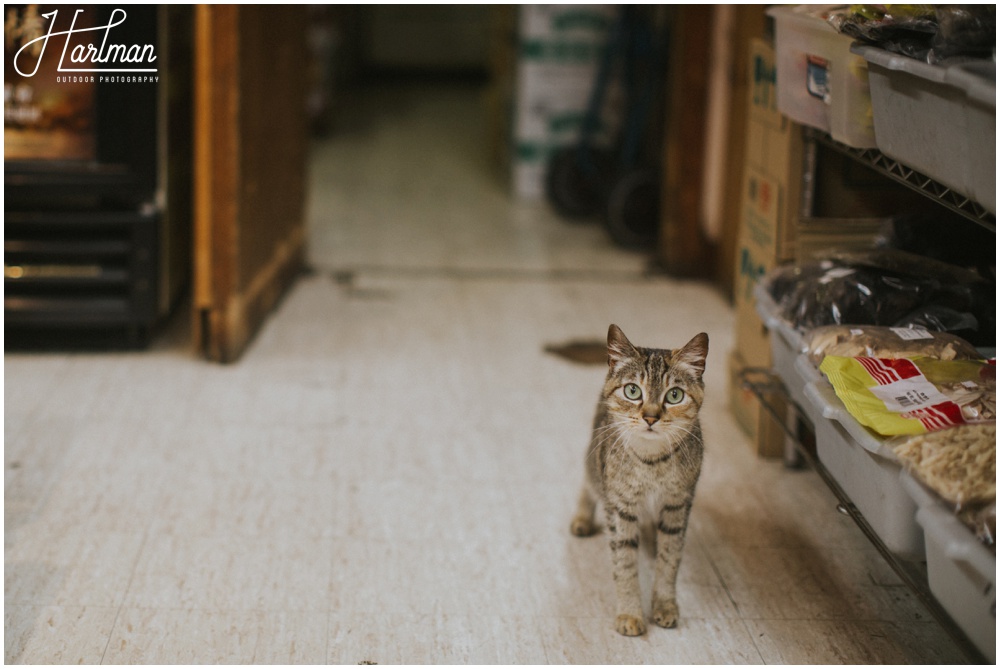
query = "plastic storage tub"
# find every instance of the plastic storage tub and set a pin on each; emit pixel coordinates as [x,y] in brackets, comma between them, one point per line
[786,341]
[786,348]
[788,361]
[940,121]
[868,472]
[820,82]
[961,572]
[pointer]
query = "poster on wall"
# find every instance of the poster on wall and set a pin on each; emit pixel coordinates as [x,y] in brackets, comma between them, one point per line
[48,113]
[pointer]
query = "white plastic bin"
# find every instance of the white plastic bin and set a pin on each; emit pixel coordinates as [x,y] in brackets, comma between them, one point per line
[961,572]
[820,82]
[940,121]
[868,472]
[788,360]
[786,341]
[786,349]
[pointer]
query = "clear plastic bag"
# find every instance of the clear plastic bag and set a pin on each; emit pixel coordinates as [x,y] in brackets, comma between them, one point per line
[930,33]
[831,293]
[908,32]
[964,30]
[874,341]
[889,288]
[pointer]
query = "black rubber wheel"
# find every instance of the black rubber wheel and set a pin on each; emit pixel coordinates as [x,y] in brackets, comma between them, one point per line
[577,180]
[633,211]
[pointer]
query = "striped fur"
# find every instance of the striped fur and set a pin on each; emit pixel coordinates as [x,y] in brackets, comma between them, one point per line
[642,467]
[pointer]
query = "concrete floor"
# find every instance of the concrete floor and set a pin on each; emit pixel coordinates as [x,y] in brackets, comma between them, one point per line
[388,475]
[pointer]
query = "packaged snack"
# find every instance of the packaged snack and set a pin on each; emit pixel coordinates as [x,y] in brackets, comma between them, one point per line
[873,341]
[913,396]
[958,463]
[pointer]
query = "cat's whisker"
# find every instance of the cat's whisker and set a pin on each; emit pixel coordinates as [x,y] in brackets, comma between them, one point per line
[602,433]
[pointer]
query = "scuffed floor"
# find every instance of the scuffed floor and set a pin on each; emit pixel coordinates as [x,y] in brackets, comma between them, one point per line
[388,475]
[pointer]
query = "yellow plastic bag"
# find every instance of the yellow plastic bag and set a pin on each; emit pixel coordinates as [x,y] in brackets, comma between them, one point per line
[913,396]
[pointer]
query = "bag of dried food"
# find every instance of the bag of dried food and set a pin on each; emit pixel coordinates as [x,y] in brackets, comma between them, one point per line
[931,33]
[873,341]
[913,396]
[959,464]
[889,288]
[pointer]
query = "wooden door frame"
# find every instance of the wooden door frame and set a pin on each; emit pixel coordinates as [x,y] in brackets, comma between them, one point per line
[230,300]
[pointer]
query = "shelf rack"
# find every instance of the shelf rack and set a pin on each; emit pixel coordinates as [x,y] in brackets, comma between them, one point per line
[764,383]
[897,171]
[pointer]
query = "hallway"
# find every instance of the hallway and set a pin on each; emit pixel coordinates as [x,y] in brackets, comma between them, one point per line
[388,474]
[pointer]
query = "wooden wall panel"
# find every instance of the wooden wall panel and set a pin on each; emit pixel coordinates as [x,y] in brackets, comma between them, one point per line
[683,247]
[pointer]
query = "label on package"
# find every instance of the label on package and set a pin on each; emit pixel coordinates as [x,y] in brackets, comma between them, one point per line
[909,394]
[912,334]
[817,77]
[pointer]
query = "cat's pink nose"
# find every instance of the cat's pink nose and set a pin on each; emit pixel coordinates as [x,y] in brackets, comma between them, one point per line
[650,420]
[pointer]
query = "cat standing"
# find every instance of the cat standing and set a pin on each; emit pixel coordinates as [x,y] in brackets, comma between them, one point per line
[642,466]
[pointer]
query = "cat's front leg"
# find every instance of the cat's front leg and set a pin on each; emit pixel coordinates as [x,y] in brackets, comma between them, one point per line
[670,531]
[624,530]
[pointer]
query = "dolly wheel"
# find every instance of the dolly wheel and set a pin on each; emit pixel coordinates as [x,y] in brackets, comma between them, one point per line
[633,212]
[575,182]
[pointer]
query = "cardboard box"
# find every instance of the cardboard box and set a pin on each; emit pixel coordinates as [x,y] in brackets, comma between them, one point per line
[768,215]
[769,200]
[774,146]
[756,256]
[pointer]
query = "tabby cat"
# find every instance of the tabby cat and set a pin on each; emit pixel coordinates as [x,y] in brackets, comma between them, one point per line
[642,466]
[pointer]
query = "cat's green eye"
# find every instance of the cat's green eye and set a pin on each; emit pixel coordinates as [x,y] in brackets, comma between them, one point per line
[674,396]
[632,391]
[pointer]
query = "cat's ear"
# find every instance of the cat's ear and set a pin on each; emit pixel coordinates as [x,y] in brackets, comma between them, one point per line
[693,354]
[619,347]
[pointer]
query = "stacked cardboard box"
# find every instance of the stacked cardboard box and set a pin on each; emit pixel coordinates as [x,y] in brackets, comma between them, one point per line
[769,211]
[560,48]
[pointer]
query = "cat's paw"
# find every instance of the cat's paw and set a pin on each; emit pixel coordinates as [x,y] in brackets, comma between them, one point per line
[582,527]
[666,613]
[629,625]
